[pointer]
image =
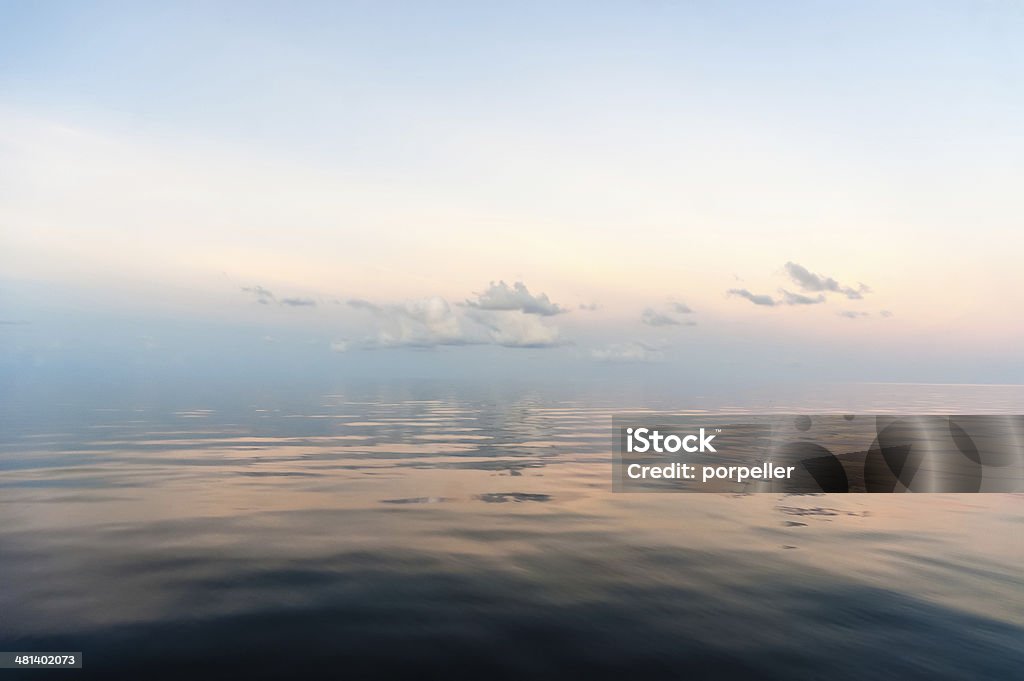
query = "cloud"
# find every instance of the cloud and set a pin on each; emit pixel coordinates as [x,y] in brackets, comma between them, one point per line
[653,318]
[790,298]
[809,281]
[682,308]
[298,302]
[266,297]
[632,351]
[502,297]
[516,329]
[431,322]
[263,296]
[340,346]
[590,307]
[423,323]
[852,314]
[885,313]
[361,304]
[755,298]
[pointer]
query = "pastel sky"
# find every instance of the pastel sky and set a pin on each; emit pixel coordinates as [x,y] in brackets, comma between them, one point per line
[832,190]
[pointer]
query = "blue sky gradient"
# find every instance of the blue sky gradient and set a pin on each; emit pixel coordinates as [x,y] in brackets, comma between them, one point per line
[383,170]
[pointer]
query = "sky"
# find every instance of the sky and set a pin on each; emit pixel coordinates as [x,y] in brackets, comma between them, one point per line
[714,191]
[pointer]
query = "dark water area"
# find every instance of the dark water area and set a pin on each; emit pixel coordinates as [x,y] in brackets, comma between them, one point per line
[433,531]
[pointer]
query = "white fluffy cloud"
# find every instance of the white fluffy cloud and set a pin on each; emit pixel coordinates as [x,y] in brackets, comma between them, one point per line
[427,322]
[515,329]
[502,297]
[506,316]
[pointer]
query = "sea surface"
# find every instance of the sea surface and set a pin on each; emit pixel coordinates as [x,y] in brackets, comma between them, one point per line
[436,531]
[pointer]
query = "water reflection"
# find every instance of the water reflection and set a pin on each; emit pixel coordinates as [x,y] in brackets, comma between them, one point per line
[387,535]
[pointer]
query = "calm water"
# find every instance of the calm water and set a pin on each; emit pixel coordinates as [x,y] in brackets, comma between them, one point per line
[430,531]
